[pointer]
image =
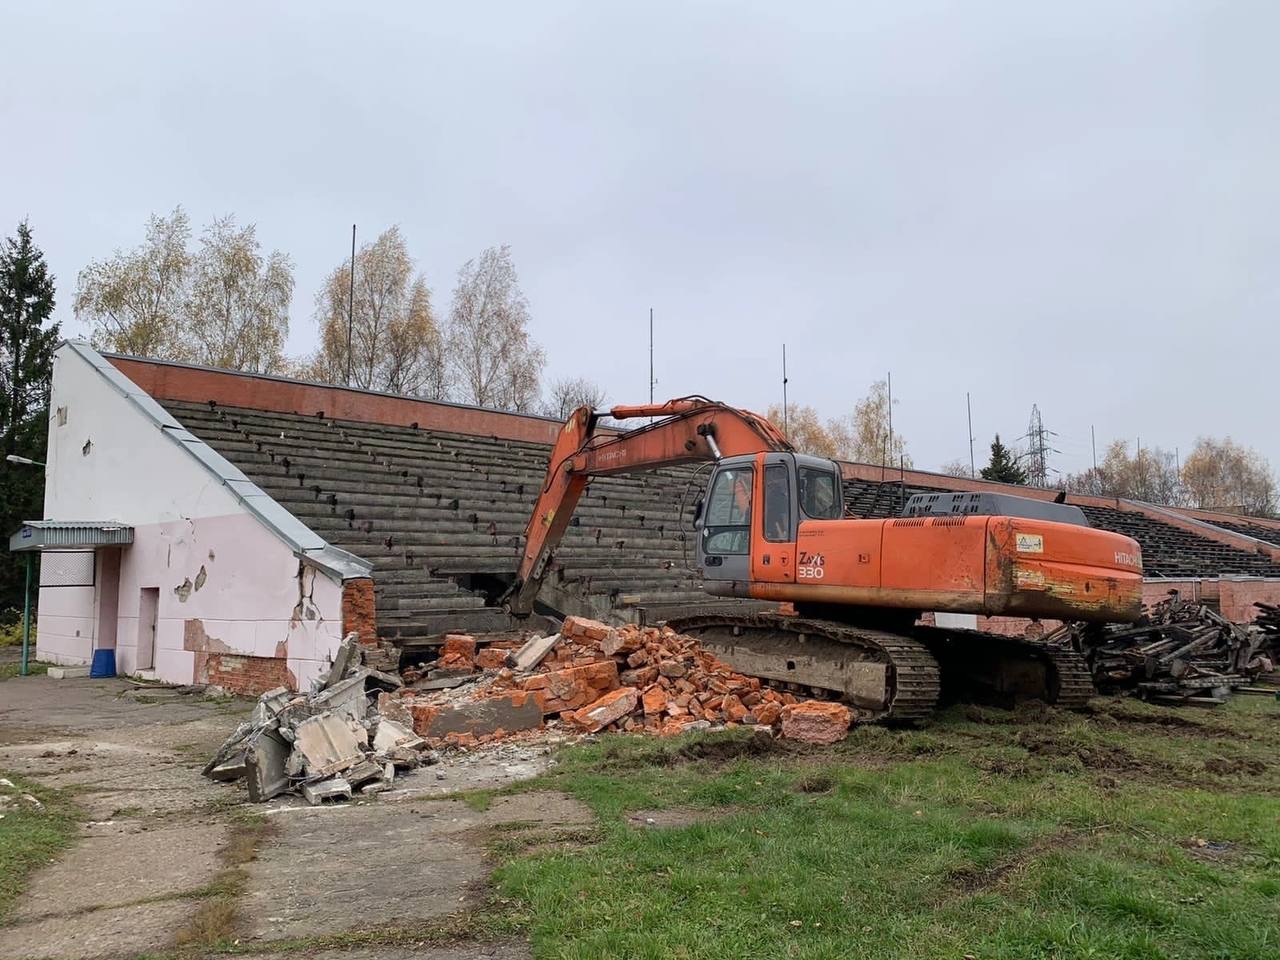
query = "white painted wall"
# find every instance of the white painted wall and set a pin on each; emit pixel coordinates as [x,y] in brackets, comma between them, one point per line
[109,460]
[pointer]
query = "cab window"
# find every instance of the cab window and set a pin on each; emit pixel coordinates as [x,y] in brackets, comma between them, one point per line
[728,516]
[820,494]
[777,503]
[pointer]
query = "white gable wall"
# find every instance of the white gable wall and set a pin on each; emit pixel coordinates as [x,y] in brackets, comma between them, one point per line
[227,582]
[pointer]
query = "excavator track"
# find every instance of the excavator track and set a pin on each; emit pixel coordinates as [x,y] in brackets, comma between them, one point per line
[886,676]
[893,676]
[1007,668]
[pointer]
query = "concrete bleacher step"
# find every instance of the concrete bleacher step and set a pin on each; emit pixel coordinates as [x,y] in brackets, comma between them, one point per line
[426,507]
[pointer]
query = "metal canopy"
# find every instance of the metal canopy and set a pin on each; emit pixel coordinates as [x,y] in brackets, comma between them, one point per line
[70,535]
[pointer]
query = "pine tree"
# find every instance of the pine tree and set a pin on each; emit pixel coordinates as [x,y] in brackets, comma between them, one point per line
[1003,467]
[26,369]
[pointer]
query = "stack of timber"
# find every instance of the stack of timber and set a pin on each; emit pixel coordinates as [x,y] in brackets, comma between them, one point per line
[1180,652]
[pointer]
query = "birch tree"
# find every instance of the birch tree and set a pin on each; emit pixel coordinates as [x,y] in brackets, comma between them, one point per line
[494,361]
[134,300]
[237,306]
[395,343]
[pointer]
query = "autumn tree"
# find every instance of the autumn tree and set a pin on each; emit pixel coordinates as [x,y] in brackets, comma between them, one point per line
[395,343]
[1225,475]
[1003,466]
[225,304]
[870,433]
[27,341]
[810,434]
[569,393]
[493,359]
[237,305]
[134,301]
[1149,473]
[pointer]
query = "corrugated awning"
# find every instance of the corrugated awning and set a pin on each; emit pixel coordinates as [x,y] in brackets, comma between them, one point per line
[70,535]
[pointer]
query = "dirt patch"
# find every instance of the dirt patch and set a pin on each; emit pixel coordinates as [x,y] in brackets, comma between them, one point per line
[674,817]
[1235,767]
[974,881]
[1107,757]
[815,783]
[759,744]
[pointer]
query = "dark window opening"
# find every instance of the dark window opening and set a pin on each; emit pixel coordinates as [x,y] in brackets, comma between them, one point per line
[777,503]
[820,494]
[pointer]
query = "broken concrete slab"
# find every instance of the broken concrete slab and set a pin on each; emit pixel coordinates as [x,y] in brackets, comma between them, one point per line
[533,652]
[345,698]
[345,660]
[516,710]
[390,735]
[362,773]
[329,743]
[229,771]
[335,788]
[265,763]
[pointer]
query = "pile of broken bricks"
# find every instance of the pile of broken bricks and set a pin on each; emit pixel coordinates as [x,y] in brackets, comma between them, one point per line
[327,744]
[591,677]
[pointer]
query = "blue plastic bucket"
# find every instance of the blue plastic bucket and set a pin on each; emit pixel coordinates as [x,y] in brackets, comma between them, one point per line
[104,664]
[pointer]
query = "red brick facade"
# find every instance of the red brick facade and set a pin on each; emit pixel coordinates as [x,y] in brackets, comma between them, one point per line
[248,676]
[359,614]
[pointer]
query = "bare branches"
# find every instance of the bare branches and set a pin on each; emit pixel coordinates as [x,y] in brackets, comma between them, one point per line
[569,393]
[493,361]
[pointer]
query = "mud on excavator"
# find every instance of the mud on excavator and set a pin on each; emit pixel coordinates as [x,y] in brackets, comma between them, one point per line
[772,527]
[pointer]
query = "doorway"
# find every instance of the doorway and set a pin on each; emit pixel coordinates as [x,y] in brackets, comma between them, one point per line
[148,610]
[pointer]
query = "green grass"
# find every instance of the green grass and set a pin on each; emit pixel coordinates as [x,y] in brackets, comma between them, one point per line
[30,836]
[34,668]
[1036,834]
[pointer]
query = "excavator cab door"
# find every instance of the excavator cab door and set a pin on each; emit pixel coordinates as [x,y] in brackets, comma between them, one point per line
[725,528]
[773,548]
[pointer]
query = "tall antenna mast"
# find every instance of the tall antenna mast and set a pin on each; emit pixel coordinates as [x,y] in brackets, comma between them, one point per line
[784,388]
[651,356]
[969,410]
[351,300]
[889,449]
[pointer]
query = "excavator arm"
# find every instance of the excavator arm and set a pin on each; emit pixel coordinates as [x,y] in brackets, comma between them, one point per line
[690,430]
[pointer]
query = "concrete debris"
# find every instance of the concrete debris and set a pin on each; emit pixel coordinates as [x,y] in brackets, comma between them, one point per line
[336,788]
[593,678]
[532,653]
[348,732]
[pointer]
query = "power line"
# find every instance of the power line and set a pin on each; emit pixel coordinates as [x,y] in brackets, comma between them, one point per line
[1038,449]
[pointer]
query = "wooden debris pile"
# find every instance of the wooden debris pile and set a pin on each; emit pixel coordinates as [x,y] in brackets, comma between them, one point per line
[1180,652]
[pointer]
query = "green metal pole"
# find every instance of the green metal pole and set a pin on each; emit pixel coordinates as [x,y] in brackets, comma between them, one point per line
[26,620]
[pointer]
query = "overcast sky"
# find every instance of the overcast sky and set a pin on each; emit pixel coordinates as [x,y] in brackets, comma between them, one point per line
[1073,205]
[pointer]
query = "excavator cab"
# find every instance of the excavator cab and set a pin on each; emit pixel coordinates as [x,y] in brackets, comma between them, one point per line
[748,519]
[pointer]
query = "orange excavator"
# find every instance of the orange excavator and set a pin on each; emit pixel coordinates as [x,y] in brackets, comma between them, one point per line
[772,527]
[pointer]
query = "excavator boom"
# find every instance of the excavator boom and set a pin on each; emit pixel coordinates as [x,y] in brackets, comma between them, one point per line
[688,430]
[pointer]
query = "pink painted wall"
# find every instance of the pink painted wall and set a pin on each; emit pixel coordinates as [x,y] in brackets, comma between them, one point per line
[227,582]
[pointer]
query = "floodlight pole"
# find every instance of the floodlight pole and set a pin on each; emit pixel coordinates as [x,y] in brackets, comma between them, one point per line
[351,300]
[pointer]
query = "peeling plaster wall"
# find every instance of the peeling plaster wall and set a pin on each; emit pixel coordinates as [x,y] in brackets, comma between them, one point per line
[226,583]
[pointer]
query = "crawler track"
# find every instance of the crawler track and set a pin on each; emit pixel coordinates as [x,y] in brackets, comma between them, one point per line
[886,675]
[890,675]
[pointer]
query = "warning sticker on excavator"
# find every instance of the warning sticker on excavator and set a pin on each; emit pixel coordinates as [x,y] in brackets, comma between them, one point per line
[1030,543]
